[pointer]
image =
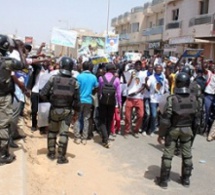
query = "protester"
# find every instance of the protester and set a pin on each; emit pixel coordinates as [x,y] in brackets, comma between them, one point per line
[135,87]
[109,97]
[87,83]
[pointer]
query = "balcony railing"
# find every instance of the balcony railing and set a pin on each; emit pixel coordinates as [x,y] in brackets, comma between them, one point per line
[153,31]
[124,37]
[173,25]
[137,9]
[202,19]
[154,2]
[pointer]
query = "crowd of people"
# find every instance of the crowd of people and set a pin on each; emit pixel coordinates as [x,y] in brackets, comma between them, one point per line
[119,97]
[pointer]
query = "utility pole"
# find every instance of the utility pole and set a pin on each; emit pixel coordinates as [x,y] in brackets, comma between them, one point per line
[108,12]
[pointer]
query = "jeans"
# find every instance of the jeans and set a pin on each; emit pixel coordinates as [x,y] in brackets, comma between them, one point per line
[147,114]
[85,112]
[208,99]
[153,107]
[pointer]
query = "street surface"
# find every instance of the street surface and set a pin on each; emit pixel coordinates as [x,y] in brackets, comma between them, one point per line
[128,167]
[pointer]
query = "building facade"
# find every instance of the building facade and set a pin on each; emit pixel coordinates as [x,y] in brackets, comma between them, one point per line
[168,26]
[129,27]
[152,33]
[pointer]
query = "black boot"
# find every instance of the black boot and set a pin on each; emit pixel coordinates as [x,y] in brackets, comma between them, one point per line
[5,156]
[62,153]
[17,137]
[164,177]
[12,144]
[42,130]
[185,175]
[51,142]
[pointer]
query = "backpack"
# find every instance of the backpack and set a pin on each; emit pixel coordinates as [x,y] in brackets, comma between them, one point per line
[63,92]
[108,92]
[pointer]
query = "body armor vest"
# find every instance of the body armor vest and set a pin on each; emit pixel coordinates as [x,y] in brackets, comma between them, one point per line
[63,92]
[183,109]
[6,82]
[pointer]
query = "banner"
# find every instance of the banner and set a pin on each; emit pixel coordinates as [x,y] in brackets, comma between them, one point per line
[29,40]
[65,38]
[192,53]
[89,46]
[132,56]
[99,60]
[111,44]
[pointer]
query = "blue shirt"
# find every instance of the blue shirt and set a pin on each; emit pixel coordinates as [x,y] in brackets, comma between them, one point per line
[87,82]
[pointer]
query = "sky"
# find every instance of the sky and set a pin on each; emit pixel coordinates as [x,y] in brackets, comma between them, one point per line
[36,18]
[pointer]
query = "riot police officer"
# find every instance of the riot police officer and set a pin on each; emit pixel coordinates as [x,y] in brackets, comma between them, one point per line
[196,90]
[63,93]
[181,110]
[7,65]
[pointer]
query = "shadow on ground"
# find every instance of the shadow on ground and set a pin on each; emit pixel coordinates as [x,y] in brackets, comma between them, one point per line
[153,172]
[158,147]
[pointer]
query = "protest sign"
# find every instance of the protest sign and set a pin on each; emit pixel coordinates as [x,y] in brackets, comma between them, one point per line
[192,53]
[111,44]
[132,56]
[65,38]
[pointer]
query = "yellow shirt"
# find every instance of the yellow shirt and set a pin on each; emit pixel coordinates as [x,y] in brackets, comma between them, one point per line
[172,82]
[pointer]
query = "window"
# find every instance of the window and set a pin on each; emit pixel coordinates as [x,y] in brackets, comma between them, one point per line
[150,24]
[124,31]
[135,27]
[175,14]
[203,7]
[160,22]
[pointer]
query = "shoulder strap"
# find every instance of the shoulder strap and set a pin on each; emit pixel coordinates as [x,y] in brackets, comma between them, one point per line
[192,98]
[179,98]
[57,79]
[106,81]
[112,80]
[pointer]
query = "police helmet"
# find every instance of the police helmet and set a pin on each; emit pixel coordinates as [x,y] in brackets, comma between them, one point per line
[4,43]
[187,70]
[66,65]
[28,47]
[182,83]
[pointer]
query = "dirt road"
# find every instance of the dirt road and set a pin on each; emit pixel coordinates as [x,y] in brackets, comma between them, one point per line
[86,173]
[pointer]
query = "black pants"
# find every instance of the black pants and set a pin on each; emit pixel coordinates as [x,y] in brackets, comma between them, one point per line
[105,118]
[34,108]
